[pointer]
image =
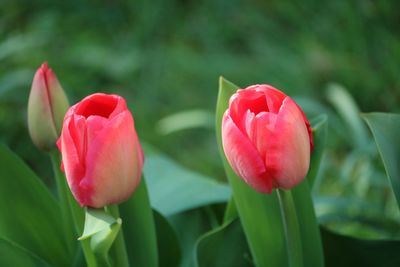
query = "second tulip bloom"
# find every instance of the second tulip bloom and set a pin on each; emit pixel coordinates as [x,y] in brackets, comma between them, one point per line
[266,138]
[101,153]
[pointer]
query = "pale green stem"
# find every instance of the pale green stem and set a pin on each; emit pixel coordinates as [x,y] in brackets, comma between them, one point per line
[104,261]
[118,250]
[291,226]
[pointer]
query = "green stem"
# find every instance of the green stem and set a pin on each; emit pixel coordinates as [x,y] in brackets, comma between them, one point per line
[291,226]
[118,250]
[73,215]
[103,261]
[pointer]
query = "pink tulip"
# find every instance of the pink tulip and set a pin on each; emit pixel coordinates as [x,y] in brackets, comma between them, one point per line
[46,108]
[101,153]
[266,138]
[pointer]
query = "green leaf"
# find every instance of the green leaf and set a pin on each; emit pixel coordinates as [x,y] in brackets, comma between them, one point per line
[101,228]
[230,211]
[30,215]
[167,242]
[319,126]
[308,225]
[139,228]
[189,226]
[190,190]
[259,213]
[385,128]
[347,251]
[224,246]
[14,255]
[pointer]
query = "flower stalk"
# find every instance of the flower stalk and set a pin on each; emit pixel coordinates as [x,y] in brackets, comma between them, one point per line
[291,227]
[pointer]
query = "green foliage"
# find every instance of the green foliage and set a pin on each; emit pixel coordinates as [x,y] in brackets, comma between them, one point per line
[174,189]
[347,251]
[139,228]
[319,131]
[24,199]
[224,246]
[14,255]
[386,130]
[101,228]
[169,251]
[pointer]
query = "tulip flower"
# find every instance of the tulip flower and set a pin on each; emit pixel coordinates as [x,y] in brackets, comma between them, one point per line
[46,108]
[101,154]
[266,138]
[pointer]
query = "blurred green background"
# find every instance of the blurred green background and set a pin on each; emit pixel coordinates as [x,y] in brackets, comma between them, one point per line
[334,57]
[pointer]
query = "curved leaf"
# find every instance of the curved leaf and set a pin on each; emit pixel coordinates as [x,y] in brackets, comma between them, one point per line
[174,189]
[224,246]
[385,128]
[30,215]
[139,228]
[167,242]
[319,130]
[11,254]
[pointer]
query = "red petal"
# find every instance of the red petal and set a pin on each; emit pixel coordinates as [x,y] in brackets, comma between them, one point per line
[113,161]
[288,151]
[243,156]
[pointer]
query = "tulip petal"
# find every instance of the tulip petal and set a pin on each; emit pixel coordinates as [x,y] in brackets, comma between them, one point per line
[243,156]
[288,150]
[94,124]
[97,104]
[57,97]
[72,147]
[244,101]
[274,97]
[113,147]
[264,125]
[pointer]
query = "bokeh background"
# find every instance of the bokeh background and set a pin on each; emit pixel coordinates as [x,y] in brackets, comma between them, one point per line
[165,58]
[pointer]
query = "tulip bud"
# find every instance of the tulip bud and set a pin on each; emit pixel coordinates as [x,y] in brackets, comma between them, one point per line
[266,138]
[46,108]
[101,153]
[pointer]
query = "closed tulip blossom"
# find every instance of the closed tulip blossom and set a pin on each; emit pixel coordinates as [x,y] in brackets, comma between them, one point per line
[46,108]
[101,153]
[266,138]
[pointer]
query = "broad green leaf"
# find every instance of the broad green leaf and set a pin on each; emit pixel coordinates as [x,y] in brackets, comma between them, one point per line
[167,242]
[308,225]
[11,254]
[259,213]
[139,228]
[30,215]
[173,188]
[319,130]
[385,128]
[345,251]
[342,213]
[224,246]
